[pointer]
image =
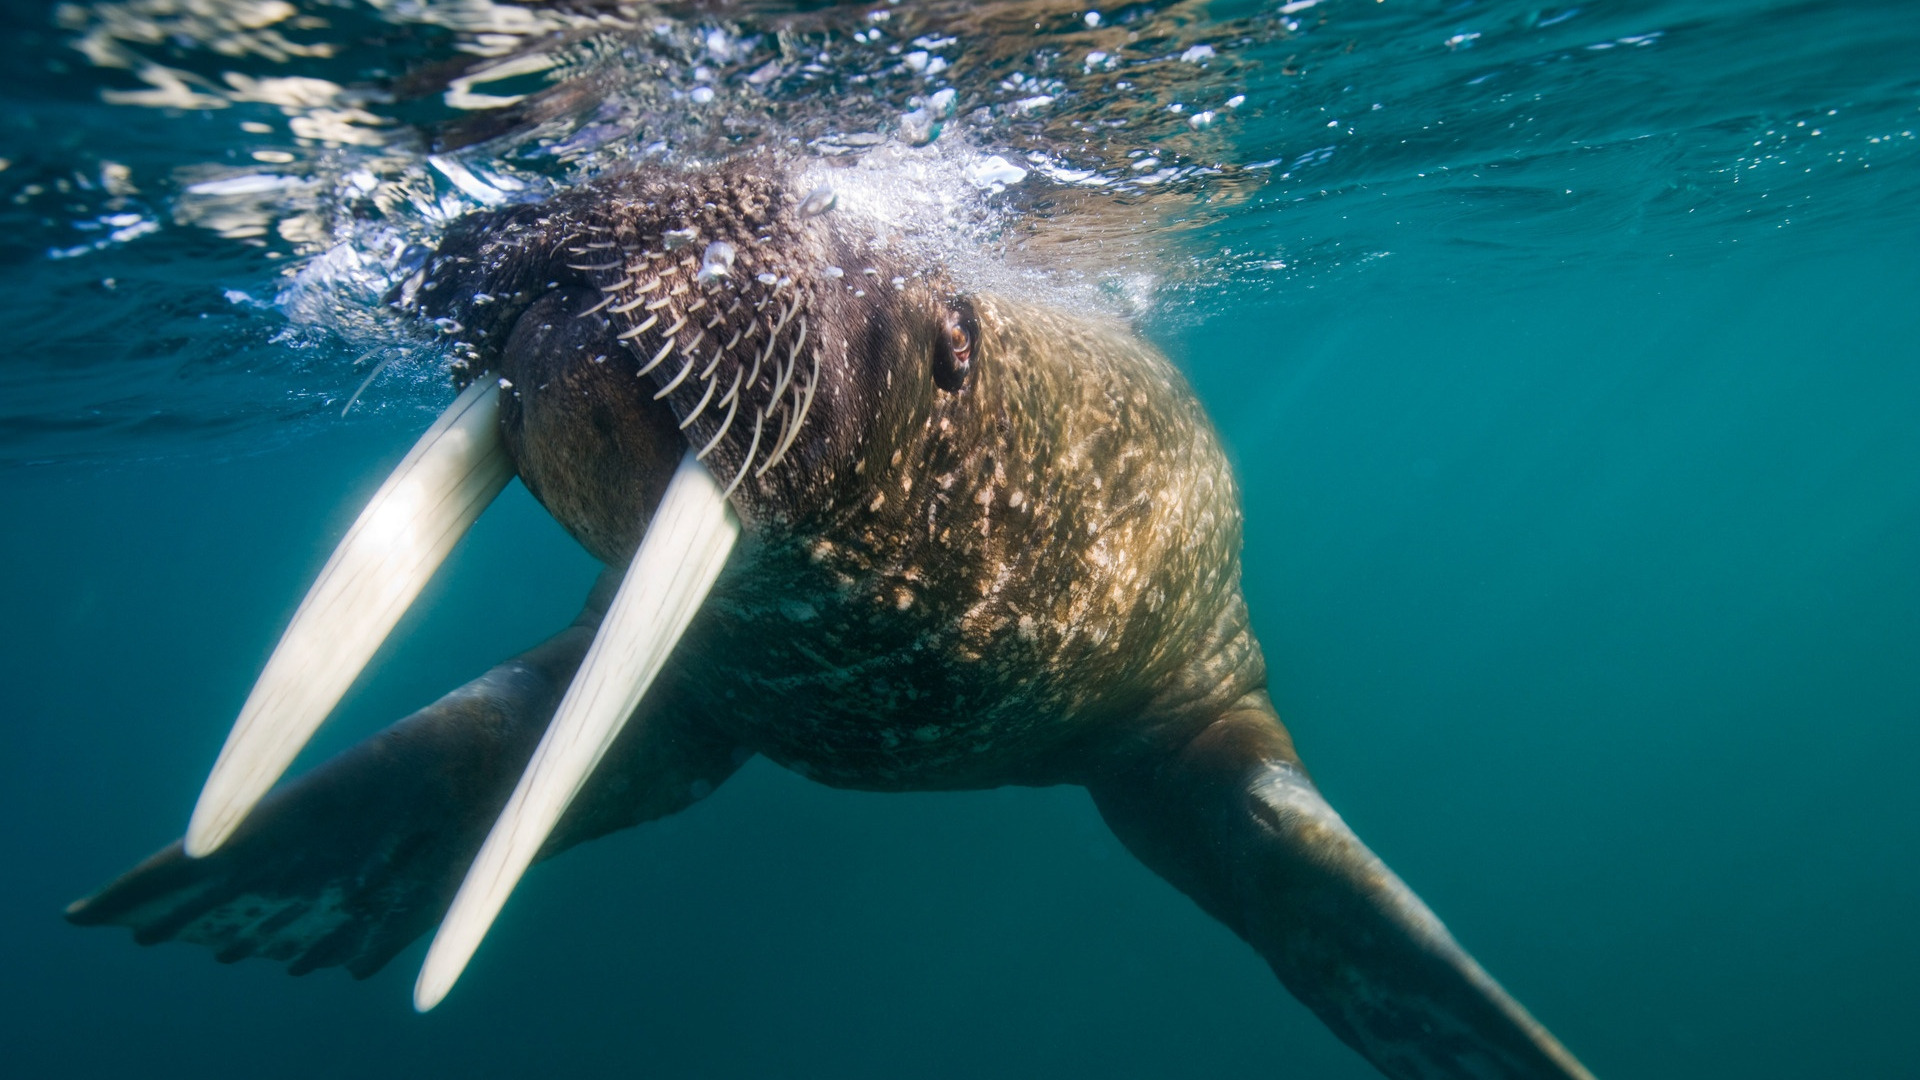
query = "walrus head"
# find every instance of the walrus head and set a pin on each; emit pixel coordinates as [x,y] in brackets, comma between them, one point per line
[726,312]
[665,359]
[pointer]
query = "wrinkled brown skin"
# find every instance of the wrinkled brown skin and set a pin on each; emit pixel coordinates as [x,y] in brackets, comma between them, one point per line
[1029,577]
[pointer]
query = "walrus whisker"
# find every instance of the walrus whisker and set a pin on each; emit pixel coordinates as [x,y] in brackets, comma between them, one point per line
[776,329]
[629,335]
[618,285]
[686,545]
[733,406]
[656,305]
[657,357]
[406,530]
[747,462]
[678,325]
[604,301]
[733,390]
[753,377]
[806,402]
[786,423]
[628,306]
[371,375]
[678,379]
[787,317]
[701,406]
[779,384]
[793,361]
[595,266]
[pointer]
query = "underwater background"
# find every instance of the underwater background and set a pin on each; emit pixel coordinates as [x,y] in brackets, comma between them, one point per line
[1569,357]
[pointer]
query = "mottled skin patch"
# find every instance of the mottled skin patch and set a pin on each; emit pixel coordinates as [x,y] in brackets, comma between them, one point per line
[985,543]
[1045,554]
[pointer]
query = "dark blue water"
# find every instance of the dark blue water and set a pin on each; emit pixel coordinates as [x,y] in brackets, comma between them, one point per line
[1575,392]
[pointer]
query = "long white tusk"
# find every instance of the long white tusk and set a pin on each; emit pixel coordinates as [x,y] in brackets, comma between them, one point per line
[679,559]
[406,531]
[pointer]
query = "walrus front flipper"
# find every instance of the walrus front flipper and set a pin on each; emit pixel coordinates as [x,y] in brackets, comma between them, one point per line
[1232,820]
[354,860]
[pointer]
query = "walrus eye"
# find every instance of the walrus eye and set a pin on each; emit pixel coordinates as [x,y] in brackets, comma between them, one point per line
[953,358]
[958,343]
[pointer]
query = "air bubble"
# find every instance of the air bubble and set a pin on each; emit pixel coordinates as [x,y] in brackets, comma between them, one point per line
[818,201]
[716,262]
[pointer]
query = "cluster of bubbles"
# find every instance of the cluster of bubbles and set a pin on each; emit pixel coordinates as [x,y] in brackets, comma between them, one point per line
[964,130]
[1131,155]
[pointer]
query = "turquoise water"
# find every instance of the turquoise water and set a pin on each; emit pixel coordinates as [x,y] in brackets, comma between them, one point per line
[1573,391]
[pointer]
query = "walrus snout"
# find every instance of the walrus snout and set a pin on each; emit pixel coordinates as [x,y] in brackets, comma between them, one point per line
[727,312]
[586,436]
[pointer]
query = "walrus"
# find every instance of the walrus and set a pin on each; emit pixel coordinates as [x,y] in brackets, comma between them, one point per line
[888,532]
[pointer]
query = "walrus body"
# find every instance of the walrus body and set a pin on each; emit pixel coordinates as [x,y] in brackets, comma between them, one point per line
[984,543]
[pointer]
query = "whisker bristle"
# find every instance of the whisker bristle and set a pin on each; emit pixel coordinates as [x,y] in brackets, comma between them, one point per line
[786,423]
[701,407]
[733,406]
[657,357]
[806,403]
[677,379]
[638,330]
[746,462]
[707,372]
[793,361]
